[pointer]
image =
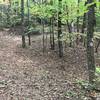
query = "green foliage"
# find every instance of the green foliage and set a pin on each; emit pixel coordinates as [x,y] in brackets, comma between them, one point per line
[98,70]
[85,85]
[71,94]
[97,35]
[68,37]
[81,90]
[97,74]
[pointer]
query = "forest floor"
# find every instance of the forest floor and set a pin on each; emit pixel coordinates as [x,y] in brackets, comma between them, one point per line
[27,74]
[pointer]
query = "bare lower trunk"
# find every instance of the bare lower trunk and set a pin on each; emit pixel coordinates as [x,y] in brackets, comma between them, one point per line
[22,20]
[23,41]
[29,39]
[97,46]
[60,45]
[70,32]
[90,46]
[43,38]
[52,43]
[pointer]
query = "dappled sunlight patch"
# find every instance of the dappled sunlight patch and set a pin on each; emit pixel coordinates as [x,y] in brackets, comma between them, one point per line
[24,60]
[17,39]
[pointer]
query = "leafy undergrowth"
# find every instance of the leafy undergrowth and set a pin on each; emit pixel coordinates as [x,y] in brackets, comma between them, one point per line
[28,74]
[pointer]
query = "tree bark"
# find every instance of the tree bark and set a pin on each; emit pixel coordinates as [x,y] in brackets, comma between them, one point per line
[52,42]
[22,21]
[97,46]
[28,11]
[70,32]
[78,17]
[83,25]
[84,20]
[43,38]
[69,27]
[22,11]
[23,41]
[90,46]
[60,45]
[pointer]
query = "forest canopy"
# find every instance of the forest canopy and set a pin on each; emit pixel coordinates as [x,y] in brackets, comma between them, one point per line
[50,44]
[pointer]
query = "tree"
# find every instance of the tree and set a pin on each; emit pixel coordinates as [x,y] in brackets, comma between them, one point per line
[90,47]
[52,42]
[28,11]
[84,20]
[78,17]
[60,45]
[22,21]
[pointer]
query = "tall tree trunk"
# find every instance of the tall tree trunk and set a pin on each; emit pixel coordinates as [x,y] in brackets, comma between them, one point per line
[53,36]
[70,32]
[8,13]
[90,46]
[69,27]
[99,5]
[50,34]
[52,42]
[77,37]
[83,25]
[78,17]
[60,45]
[97,46]
[84,20]
[28,11]
[22,11]
[22,21]
[43,38]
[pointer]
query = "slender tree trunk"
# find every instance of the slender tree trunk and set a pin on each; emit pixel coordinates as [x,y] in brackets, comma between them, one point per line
[90,46]
[23,41]
[53,37]
[28,5]
[22,20]
[70,32]
[69,27]
[97,46]
[60,45]
[22,11]
[83,25]
[78,17]
[43,38]
[99,5]
[52,42]
[50,35]
[77,37]
[8,13]
[84,20]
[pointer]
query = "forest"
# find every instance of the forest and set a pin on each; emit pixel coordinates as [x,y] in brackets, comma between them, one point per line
[49,49]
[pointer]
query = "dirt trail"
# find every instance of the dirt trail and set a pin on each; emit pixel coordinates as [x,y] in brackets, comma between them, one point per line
[25,74]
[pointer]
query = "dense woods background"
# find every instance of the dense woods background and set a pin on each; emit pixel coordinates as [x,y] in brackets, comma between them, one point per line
[51,46]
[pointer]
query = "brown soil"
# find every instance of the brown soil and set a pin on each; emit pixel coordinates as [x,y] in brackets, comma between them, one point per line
[27,74]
